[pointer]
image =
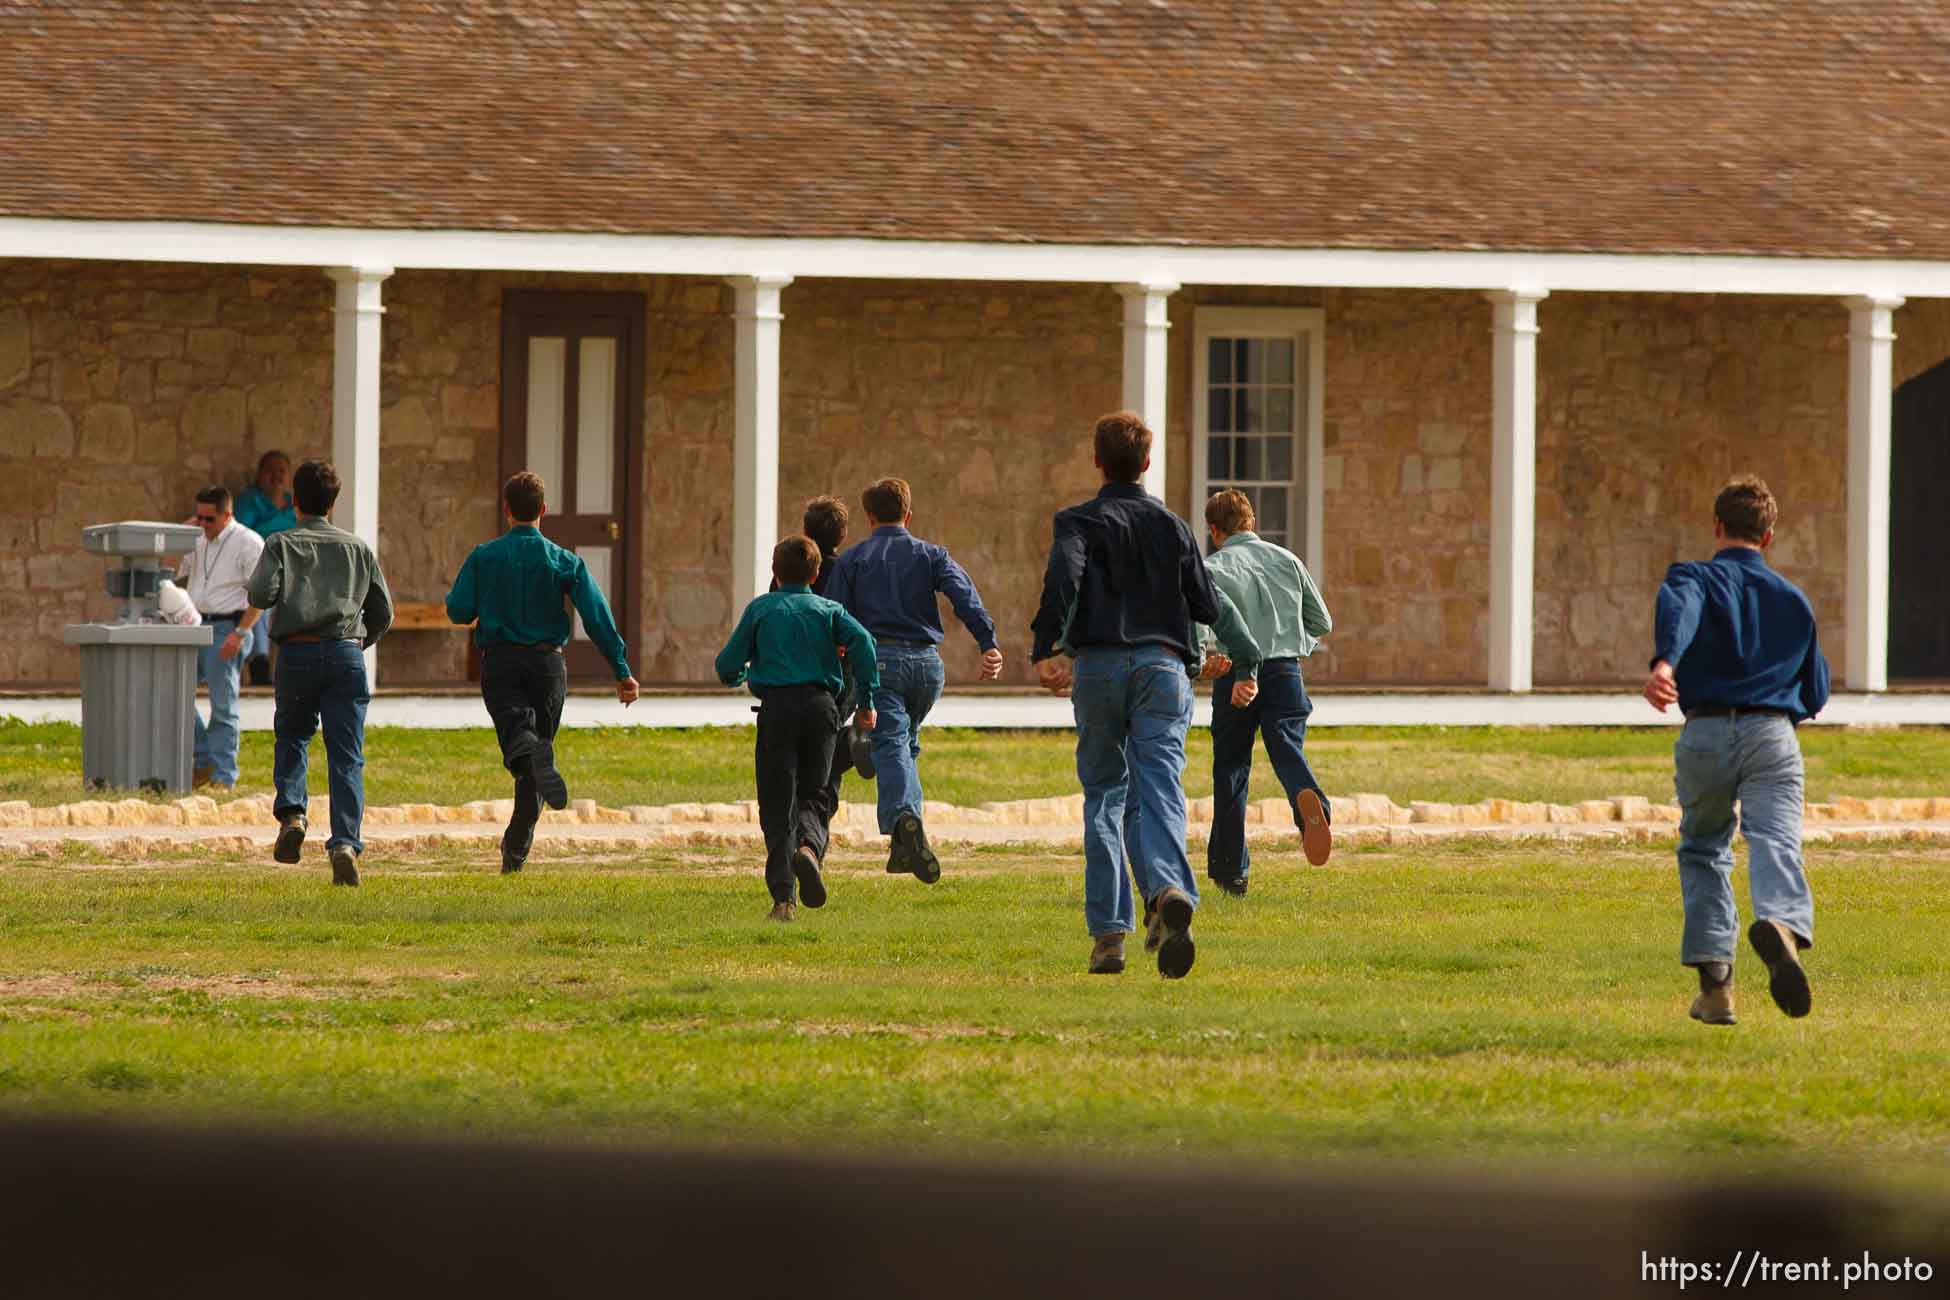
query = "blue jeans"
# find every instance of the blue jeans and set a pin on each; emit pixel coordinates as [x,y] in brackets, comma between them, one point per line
[257,641]
[911,678]
[1755,760]
[1279,712]
[1133,705]
[216,744]
[323,679]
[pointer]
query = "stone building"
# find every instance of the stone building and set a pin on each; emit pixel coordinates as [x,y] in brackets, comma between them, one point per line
[1481,303]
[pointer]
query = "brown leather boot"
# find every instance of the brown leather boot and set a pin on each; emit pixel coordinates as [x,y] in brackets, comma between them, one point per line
[1786,980]
[1107,954]
[1714,1005]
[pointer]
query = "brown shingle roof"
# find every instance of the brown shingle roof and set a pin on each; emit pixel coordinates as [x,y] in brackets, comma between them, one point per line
[1807,127]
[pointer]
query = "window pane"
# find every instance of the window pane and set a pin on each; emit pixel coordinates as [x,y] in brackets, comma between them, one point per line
[1272,509]
[1218,460]
[1239,361]
[1218,354]
[1279,410]
[1255,370]
[1251,410]
[547,372]
[1218,411]
[1248,458]
[1279,460]
[596,428]
[1279,361]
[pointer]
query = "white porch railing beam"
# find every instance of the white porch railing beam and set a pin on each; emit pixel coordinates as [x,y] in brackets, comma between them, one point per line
[355,405]
[1147,320]
[755,452]
[1513,487]
[1871,348]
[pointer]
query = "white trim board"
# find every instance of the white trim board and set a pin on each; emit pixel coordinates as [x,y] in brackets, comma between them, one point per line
[876,259]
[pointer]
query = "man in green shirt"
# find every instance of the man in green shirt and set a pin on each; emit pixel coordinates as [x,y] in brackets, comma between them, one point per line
[1282,608]
[786,648]
[328,603]
[515,586]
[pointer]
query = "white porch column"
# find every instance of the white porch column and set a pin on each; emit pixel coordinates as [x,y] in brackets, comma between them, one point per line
[1145,322]
[1513,488]
[1870,352]
[755,454]
[355,405]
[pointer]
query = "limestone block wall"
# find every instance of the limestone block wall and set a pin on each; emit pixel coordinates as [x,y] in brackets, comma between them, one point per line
[981,396]
[125,387]
[1646,404]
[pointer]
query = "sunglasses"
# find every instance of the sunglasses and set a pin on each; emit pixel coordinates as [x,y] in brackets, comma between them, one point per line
[206,519]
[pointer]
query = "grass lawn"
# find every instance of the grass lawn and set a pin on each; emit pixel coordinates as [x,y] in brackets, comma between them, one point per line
[1458,1002]
[621,766]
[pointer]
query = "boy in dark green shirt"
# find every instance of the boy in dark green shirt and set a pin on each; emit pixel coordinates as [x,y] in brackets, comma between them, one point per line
[514,585]
[787,649]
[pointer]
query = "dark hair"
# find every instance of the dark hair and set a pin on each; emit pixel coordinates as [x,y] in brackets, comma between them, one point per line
[1123,446]
[825,522]
[215,495]
[1746,509]
[315,487]
[888,501]
[525,496]
[1230,511]
[268,457]
[795,560]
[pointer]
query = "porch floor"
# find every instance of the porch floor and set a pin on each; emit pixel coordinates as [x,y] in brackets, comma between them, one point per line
[452,708]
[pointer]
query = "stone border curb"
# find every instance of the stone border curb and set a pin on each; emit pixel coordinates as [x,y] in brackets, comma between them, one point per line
[1353,810]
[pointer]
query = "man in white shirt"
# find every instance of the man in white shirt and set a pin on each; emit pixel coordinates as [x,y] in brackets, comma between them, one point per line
[216,573]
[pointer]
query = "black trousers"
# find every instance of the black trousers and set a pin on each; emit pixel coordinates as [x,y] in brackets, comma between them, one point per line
[523,688]
[816,810]
[798,727]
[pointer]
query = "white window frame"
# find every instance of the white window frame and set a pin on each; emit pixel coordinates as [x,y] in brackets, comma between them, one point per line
[1307,327]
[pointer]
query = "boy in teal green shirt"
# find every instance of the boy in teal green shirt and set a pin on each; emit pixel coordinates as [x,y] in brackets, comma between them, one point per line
[515,586]
[787,648]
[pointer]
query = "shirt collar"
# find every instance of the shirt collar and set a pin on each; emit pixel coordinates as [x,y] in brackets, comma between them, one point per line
[1742,555]
[796,588]
[1121,490]
[1243,535]
[889,530]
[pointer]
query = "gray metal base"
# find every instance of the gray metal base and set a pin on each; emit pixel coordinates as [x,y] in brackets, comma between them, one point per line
[138,701]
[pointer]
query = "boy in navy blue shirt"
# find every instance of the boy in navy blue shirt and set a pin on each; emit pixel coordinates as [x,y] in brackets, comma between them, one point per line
[786,649]
[888,581]
[1736,650]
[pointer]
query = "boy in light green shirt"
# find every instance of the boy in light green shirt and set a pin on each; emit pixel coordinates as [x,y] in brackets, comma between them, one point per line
[1282,609]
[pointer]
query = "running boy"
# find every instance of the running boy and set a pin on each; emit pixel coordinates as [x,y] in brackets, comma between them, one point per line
[1281,606]
[888,582]
[786,649]
[514,585]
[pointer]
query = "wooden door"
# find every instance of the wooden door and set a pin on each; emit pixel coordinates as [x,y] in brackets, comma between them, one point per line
[1919,545]
[572,412]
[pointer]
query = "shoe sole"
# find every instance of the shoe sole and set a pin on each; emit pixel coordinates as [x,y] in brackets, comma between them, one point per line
[345,870]
[548,782]
[1316,836]
[290,846]
[1787,982]
[911,851]
[1176,952]
[1109,968]
[805,870]
[1712,1020]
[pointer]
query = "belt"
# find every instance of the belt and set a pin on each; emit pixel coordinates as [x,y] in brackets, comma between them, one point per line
[905,645]
[234,616]
[1735,711]
[312,638]
[523,645]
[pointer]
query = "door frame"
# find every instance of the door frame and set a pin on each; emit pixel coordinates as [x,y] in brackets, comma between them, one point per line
[521,311]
